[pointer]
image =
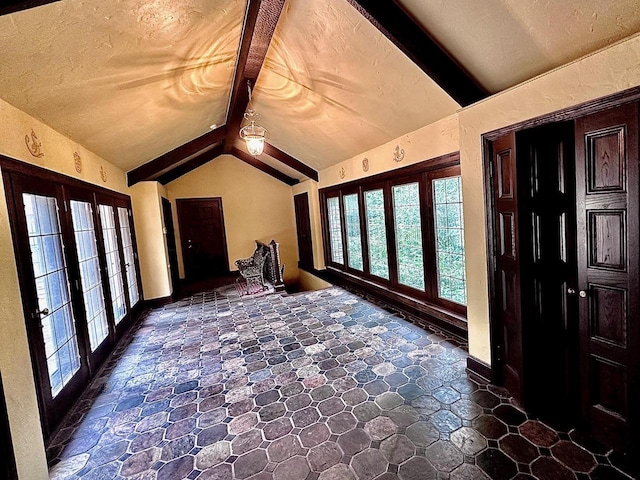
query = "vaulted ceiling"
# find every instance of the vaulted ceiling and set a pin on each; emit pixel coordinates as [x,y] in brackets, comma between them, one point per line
[158,87]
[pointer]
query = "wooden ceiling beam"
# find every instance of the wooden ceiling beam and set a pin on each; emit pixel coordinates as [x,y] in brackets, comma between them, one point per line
[250,60]
[260,165]
[395,24]
[151,170]
[11,7]
[290,161]
[190,165]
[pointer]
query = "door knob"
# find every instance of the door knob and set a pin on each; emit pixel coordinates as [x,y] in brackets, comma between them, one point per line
[43,313]
[582,293]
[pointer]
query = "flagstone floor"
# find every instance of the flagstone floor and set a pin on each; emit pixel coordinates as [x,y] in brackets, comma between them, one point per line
[321,385]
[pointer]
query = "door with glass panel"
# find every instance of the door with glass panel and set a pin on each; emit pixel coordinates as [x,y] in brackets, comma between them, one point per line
[129,254]
[91,285]
[114,262]
[48,286]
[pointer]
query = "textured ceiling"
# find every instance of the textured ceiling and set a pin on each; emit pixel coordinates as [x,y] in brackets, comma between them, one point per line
[505,42]
[128,79]
[333,86]
[133,79]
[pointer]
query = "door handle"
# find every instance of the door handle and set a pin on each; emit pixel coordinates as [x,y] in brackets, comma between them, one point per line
[41,313]
[582,293]
[571,291]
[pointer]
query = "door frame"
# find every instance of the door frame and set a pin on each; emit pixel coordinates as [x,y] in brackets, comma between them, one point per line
[50,179]
[303,216]
[489,180]
[170,233]
[180,203]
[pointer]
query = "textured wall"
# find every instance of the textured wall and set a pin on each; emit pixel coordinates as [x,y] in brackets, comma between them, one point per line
[256,207]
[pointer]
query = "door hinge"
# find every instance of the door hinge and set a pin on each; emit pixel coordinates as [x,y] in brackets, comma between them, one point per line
[499,353]
[66,209]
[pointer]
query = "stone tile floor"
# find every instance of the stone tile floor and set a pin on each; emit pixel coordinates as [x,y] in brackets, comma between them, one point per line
[322,385]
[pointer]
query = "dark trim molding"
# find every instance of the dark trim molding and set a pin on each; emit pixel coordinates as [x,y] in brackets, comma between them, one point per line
[8,465]
[447,160]
[570,113]
[480,368]
[419,310]
[260,165]
[11,7]
[424,51]
[11,164]
[158,302]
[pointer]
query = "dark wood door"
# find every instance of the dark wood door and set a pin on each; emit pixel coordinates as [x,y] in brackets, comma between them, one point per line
[608,276]
[546,208]
[507,304]
[203,239]
[303,228]
[172,250]
[51,295]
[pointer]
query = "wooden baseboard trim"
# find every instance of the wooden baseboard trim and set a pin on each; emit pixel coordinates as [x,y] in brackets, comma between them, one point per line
[420,311]
[158,302]
[480,368]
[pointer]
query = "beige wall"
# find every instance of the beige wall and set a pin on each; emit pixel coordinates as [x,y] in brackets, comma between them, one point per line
[15,361]
[603,73]
[256,207]
[152,250]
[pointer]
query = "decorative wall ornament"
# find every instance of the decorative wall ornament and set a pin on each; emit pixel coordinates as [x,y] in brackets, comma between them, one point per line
[103,173]
[398,154]
[342,172]
[77,161]
[365,164]
[34,145]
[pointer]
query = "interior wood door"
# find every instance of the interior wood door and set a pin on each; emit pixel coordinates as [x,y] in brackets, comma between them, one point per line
[548,270]
[508,301]
[202,237]
[608,276]
[303,228]
[172,250]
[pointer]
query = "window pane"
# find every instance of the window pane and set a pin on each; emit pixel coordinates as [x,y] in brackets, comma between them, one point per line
[52,288]
[376,233]
[352,222]
[335,230]
[129,260]
[92,292]
[408,228]
[447,205]
[114,270]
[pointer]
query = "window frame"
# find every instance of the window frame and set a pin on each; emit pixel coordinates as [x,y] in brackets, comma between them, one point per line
[422,173]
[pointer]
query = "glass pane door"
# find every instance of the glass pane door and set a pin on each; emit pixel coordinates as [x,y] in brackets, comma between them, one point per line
[129,259]
[352,223]
[335,230]
[52,289]
[114,269]
[92,291]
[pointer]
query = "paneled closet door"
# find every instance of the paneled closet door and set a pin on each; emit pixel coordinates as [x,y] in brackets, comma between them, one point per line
[607,193]
[49,295]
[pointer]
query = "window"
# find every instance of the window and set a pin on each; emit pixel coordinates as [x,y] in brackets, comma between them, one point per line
[376,233]
[352,224]
[114,270]
[447,204]
[403,233]
[408,228]
[94,306]
[335,230]
[129,259]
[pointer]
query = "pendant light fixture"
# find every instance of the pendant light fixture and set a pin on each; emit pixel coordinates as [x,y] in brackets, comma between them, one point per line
[253,133]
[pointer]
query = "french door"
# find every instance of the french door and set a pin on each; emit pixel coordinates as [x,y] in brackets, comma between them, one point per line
[78,271]
[56,336]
